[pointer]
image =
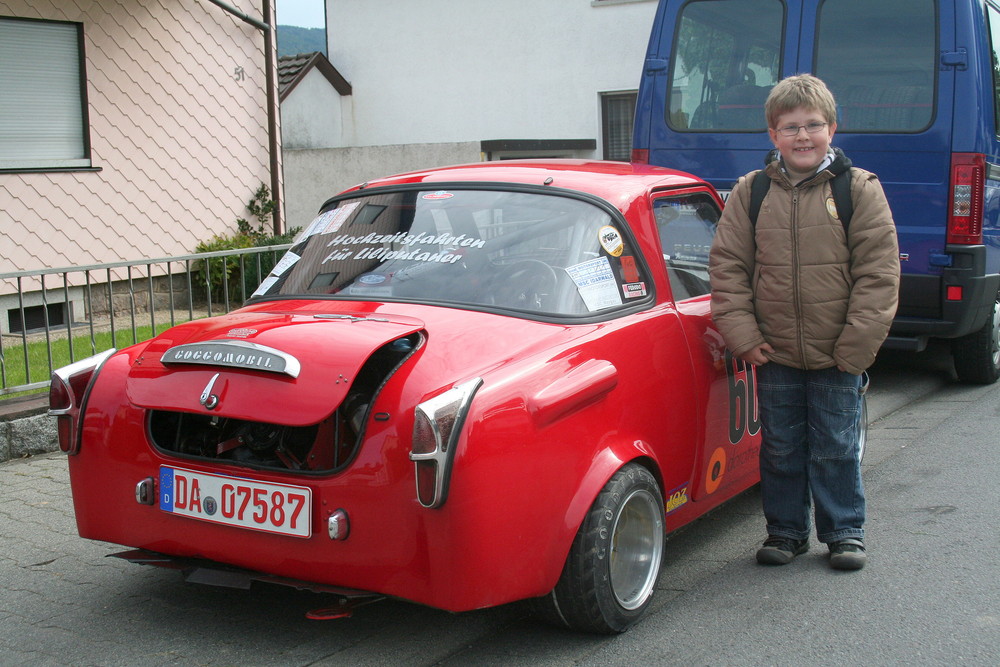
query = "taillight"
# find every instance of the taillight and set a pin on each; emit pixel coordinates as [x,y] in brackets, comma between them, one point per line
[965,220]
[640,155]
[68,397]
[437,426]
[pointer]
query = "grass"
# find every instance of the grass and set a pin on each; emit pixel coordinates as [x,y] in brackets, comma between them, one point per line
[38,370]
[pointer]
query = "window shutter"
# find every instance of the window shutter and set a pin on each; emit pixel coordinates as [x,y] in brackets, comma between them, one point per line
[41,107]
[618,112]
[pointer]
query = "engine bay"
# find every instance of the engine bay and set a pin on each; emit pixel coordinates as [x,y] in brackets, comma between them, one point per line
[326,446]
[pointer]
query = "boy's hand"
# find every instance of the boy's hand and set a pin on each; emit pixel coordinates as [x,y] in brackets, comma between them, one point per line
[757,355]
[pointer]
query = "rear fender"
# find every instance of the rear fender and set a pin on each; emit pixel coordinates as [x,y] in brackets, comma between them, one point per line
[605,463]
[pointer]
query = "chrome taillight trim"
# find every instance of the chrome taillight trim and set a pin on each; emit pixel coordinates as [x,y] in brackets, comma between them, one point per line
[65,374]
[77,404]
[446,415]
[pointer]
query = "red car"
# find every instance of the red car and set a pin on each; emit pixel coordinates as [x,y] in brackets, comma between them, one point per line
[461,387]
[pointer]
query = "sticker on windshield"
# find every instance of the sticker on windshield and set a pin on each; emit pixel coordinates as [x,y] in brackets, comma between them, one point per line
[286,262]
[440,194]
[330,221]
[265,286]
[630,272]
[402,246]
[634,290]
[338,216]
[595,281]
[611,240]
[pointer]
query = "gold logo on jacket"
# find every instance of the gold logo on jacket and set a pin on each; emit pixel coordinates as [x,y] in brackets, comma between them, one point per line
[831,208]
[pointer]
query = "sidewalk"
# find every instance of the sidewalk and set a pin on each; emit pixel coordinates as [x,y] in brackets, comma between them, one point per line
[929,595]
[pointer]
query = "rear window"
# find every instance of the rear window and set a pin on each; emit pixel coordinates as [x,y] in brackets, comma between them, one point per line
[686,226]
[880,61]
[544,254]
[726,58]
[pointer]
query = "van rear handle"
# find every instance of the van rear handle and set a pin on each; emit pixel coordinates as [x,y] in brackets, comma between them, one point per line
[958,59]
[655,65]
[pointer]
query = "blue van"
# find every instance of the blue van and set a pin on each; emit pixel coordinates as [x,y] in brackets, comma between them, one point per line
[917,84]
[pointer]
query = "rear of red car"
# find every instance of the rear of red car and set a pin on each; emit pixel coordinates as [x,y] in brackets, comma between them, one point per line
[423,400]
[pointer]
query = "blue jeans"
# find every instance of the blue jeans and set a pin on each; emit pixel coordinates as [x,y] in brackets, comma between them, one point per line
[810,447]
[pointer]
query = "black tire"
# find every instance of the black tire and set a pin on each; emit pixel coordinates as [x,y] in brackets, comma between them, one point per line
[977,355]
[610,574]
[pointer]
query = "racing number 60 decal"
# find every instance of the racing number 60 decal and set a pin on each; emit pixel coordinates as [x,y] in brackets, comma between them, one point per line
[744,414]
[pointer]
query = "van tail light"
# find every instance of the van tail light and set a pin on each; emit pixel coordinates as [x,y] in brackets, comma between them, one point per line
[437,427]
[640,155]
[68,394]
[968,177]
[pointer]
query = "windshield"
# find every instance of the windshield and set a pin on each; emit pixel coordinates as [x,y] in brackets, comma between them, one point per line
[541,253]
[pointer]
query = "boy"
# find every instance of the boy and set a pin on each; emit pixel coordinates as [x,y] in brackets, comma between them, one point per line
[810,303]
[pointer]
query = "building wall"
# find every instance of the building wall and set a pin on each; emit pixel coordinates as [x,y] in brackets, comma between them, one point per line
[313,176]
[178,132]
[312,115]
[443,71]
[432,79]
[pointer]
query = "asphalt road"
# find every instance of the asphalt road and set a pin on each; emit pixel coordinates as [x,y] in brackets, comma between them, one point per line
[929,596]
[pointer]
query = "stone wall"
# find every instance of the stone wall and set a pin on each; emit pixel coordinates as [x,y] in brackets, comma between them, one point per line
[27,432]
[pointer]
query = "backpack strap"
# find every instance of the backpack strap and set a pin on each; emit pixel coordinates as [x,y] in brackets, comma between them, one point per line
[840,186]
[758,190]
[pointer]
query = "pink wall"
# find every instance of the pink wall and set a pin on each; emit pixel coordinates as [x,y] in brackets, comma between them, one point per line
[179,138]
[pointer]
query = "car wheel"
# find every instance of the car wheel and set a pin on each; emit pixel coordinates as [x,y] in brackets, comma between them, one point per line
[977,355]
[610,574]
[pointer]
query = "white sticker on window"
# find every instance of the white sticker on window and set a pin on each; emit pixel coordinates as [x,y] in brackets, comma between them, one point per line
[265,286]
[286,262]
[595,281]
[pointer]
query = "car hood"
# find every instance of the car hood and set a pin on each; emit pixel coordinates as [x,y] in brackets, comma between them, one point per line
[287,368]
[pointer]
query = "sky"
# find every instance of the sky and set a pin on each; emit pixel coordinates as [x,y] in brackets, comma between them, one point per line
[302,13]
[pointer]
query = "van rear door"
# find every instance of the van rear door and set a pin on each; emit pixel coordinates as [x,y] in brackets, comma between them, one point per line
[895,103]
[709,67]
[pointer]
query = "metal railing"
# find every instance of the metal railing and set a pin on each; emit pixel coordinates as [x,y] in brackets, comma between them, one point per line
[120,303]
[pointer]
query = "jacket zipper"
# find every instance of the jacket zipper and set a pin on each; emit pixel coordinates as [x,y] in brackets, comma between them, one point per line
[796,297]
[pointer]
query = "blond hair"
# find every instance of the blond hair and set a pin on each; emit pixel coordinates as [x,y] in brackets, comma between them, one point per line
[801,90]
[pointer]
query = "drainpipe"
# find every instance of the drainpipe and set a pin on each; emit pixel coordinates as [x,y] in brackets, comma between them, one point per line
[272,106]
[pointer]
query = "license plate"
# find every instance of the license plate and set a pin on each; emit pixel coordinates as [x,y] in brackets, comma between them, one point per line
[233,501]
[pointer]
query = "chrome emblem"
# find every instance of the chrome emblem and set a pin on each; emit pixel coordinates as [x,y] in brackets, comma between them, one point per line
[208,399]
[234,354]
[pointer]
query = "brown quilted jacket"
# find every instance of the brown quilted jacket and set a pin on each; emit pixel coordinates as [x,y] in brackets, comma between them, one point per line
[819,298]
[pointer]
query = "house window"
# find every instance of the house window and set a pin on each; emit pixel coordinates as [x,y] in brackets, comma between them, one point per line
[43,116]
[36,318]
[617,114]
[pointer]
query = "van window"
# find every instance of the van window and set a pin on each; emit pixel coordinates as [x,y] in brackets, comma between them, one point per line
[727,56]
[880,61]
[994,23]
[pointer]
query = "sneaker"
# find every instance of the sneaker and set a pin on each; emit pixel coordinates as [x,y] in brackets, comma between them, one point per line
[847,554]
[781,550]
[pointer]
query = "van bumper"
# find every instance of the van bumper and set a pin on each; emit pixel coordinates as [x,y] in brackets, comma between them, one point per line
[925,311]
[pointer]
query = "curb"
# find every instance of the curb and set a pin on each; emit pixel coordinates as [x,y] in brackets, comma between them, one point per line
[26,428]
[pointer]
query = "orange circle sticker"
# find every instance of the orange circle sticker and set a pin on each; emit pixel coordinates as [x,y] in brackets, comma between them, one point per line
[716,470]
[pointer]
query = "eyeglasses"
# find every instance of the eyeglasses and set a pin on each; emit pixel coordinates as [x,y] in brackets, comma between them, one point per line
[793,130]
